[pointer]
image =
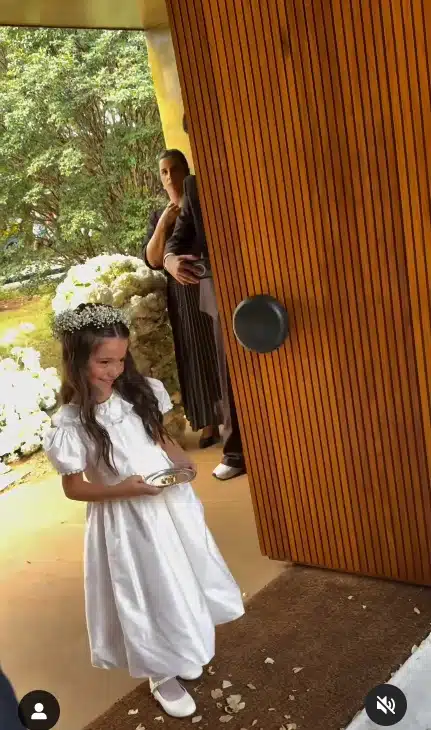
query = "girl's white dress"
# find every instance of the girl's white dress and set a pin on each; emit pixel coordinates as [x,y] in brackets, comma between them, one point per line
[155,582]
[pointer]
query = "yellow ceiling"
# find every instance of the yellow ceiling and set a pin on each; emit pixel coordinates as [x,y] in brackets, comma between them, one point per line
[85,13]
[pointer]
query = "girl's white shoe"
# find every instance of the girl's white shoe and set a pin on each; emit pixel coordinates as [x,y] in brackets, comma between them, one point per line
[193,674]
[181,706]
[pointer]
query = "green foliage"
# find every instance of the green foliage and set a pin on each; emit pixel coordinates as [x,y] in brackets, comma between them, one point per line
[38,312]
[79,137]
[34,287]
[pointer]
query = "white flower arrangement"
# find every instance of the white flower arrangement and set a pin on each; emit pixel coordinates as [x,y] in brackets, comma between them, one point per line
[106,280]
[27,391]
[127,283]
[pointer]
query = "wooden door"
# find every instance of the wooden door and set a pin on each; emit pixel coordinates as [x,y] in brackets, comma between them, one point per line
[311,132]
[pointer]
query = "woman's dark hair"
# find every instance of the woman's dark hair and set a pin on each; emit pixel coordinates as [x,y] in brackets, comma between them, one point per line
[77,347]
[176,155]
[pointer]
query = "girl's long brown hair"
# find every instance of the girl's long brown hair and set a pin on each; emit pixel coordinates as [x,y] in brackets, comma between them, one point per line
[77,347]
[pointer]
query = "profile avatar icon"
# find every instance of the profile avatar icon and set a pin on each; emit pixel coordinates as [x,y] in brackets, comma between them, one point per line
[39,710]
[39,713]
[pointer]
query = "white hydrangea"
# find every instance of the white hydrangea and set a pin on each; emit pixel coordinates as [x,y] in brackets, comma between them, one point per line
[106,280]
[28,357]
[27,391]
[101,294]
[8,365]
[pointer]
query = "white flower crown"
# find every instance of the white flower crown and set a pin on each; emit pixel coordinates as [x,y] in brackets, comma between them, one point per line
[97,315]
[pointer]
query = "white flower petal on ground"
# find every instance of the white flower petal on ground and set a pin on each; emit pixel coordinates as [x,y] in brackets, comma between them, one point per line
[133,712]
[226,718]
[233,699]
[251,686]
[226,684]
[416,610]
[216,694]
[211,671]
[296,670]
[196,719]
[269,660]
[234,704]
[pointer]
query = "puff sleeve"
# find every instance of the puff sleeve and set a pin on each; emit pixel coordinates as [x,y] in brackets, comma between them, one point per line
[64,447]
[165,403]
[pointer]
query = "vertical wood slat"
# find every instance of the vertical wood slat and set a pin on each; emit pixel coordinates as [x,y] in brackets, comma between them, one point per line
[310,127]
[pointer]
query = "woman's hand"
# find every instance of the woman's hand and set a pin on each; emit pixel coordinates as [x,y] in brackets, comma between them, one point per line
[170,215]
[137,483]
[181,268]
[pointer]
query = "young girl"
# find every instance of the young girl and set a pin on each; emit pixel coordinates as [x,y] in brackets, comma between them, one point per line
[155,582]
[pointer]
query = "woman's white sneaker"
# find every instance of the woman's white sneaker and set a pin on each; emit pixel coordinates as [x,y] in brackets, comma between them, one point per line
[175,701]
[224,472]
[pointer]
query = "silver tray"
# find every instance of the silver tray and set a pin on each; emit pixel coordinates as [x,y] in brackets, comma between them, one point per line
[170,477]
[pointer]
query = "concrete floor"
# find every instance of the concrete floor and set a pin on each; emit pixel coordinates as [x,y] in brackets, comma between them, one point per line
[43,640]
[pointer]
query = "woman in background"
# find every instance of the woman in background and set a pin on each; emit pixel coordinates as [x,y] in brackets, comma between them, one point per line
[192,329]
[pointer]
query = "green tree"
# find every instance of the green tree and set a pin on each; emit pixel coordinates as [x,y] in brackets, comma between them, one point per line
[79,136]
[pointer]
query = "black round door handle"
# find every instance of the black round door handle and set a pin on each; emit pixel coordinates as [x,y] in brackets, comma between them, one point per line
[261,323]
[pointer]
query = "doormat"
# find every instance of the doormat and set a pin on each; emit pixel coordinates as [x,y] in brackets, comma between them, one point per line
[311,646]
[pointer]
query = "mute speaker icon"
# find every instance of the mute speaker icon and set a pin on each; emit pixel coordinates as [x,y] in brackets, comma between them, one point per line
[386,705]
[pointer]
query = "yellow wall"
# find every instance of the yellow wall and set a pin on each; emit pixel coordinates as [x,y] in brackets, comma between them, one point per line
[164,71]
[138,14]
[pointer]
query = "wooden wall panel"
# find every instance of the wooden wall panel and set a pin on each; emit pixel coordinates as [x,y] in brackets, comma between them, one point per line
[310,127]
